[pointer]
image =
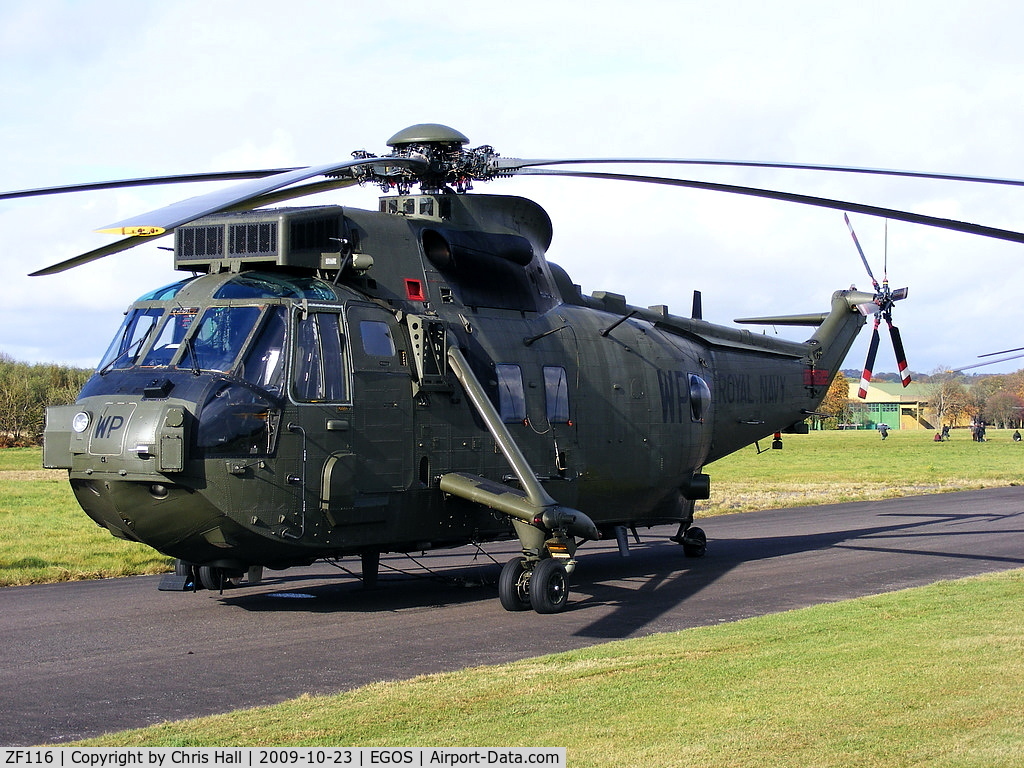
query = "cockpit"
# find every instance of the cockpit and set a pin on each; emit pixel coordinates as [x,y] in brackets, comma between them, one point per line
[233,329]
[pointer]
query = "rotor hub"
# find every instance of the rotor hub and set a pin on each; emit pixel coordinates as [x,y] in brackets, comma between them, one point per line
[427,133]
[440,163]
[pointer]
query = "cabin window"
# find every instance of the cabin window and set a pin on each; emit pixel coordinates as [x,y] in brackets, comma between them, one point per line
[556,394]
[376,338]
[319,370]
[511,394]
[700,398]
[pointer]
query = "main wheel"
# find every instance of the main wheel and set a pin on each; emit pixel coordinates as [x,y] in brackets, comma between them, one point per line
[695,542]
[210,578]
[514,586]
[217,579]
[549,586]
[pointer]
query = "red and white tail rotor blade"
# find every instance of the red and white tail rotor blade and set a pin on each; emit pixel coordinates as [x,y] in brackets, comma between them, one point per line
[869,364]
[901,356]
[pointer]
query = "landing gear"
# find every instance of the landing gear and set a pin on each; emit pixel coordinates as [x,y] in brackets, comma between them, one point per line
[370,560]
[514,585]
[695,542]
[188,577]
[549,587]
[218,579]
[543,587]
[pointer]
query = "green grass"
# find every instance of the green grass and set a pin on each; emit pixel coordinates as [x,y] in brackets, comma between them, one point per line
[832,467]
[46,537]
[20,459]
[925,677]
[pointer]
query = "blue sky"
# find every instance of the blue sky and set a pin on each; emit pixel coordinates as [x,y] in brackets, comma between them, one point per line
[104,89]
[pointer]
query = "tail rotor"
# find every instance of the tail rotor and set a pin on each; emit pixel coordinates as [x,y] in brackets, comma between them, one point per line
[882,306]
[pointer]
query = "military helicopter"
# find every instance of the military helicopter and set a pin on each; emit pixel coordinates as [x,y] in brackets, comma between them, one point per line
[332,382]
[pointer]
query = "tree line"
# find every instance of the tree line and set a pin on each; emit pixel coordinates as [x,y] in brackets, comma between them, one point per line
[25,391]
[953,398]
[996,399]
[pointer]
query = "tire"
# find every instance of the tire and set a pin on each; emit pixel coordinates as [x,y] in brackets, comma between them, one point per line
[549,587]
[695,542]
[217,579]
[514,586]
[210,578]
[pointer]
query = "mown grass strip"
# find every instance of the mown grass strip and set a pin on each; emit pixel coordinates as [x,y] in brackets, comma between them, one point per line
[931,676]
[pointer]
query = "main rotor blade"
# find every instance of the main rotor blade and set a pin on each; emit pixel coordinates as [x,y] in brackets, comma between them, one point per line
[987,362]
[514,165]
[790,197]
[860,250]
[990,354]
[131,242]
[869,363]
[144,182]
[168,217]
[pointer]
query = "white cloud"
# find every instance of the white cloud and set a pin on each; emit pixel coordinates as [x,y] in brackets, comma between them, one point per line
[116,88]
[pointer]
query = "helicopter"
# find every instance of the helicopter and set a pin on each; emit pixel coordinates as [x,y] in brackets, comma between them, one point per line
[332,382]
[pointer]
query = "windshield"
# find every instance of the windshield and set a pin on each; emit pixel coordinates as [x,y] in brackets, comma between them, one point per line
[219,338]
[211,343]
[130,338]
[241,334]
[173,331]
[263,364]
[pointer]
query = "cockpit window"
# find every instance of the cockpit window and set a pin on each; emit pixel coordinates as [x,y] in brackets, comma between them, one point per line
[376,338]
[219,337]
[263,364]
[260,285]
[163,350]
[131,338]
[166,292]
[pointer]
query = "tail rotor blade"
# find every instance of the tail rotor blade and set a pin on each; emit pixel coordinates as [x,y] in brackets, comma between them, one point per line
[865,378]
[901,356]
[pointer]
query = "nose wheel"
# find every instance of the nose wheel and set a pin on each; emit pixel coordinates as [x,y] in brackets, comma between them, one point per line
[543,586]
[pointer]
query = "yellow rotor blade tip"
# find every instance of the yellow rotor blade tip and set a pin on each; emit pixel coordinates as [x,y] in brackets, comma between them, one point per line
[145,231]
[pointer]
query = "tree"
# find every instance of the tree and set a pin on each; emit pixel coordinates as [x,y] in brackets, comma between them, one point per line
[949,400]
[26,390]
[836,403]
[1004,409]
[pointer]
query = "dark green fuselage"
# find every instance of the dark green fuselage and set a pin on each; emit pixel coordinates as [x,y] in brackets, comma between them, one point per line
[296,401]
